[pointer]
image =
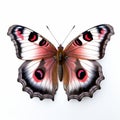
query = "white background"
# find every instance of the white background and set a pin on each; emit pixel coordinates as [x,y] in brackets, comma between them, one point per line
[60,16]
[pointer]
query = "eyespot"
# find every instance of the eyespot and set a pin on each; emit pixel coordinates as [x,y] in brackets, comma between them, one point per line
[33,36]
[81,74]
[87,36]
[21,29]
[19,32]
[42,42]
[101,30]
[39,74]
[78,42]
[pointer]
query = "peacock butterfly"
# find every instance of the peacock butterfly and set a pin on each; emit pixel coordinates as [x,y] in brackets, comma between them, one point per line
[75,65]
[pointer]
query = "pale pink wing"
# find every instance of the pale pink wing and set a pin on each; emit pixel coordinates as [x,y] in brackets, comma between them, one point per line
[29,44]
[82,74]
[81,78]
[39,78]
[90,44]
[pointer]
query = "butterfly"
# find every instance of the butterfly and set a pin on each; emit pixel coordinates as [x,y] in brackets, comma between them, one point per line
[75,65]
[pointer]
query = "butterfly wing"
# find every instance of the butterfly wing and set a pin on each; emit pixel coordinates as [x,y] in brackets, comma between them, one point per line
[38,73]
[29,44]
[82,78]
[39,78]
[90,44]
[82,74]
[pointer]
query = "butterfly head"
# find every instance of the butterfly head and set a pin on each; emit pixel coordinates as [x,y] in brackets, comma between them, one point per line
[60,48]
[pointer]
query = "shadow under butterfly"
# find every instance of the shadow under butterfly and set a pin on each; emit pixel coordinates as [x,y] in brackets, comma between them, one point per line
[75,65]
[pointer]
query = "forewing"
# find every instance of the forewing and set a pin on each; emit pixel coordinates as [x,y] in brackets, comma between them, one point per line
[39,78]
[81,78]
[90,44]
[29,44]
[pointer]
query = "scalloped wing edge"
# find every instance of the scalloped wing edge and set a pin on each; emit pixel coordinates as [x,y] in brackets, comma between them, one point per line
[27,89]
[107,39]
[91,91]
[16,44]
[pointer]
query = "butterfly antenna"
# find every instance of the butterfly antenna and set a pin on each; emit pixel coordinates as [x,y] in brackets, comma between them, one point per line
[52,34]
[68,34]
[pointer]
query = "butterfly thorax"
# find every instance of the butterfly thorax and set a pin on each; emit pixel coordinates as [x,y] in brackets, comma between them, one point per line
[60,55]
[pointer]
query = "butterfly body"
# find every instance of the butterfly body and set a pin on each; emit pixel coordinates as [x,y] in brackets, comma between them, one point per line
[75,65]
[60,61]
